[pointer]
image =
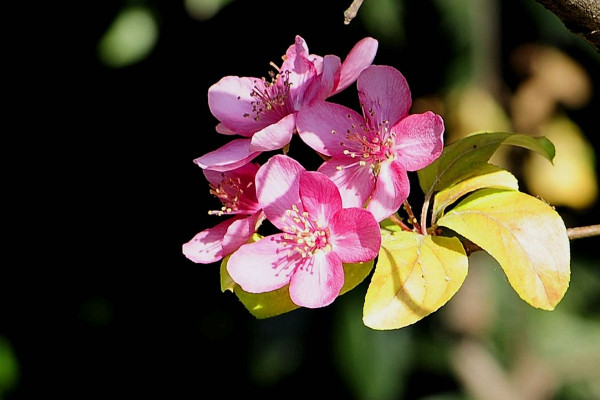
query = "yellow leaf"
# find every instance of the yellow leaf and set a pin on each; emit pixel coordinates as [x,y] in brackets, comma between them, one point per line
[488,176]
[415,275]
[276,302]
[525,235]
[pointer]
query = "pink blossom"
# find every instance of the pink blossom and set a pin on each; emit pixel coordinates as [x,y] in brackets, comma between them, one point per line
[371,153]
[318,235]
[264,112]
[237,193]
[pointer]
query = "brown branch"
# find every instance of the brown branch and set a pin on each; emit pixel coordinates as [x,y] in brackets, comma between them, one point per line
[351,12]
[582,17]
[583,232]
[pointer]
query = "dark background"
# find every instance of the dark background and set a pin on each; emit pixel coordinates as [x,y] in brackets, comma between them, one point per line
[98,301]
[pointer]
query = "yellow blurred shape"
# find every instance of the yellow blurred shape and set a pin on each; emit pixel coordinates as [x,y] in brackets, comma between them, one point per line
[130,37]
[572,180]
[472,109]
[552,77]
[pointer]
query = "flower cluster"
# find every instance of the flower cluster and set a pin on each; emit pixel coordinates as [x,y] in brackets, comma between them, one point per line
[327,217]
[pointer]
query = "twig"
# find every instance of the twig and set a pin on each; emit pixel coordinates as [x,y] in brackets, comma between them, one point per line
[583,232]
[394,217]
[412,219]
[351,12]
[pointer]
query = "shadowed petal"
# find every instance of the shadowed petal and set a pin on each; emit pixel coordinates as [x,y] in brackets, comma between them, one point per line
[355,182]
[384,94]
[262,266]
[324,126]
[277,187]
[232,155]
[391,190]
[240,231]
[360,57]
[320,197]
[207,246]
[318,282]
[355,235]
[231,102]
[274,136]
[328,79]
[419,140]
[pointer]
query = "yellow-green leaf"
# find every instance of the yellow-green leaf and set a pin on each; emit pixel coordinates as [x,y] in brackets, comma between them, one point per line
[487,176]
[415,275]
[270,304]
[460,159]
[525,235]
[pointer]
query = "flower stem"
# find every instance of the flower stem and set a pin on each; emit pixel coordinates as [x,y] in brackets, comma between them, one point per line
[411,217]
[398,221]
[583,231]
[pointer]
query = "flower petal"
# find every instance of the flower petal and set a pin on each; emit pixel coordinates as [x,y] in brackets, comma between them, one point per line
[230,156]
[240,231]
[277,187]
[323,126]
[355,235]
[222,129]
[360,57]
[231,101]
[207,246]
[320,197]
[419,140]
[384,94]
[391,190]
[274,136]
[355,182]
[245,173]
[302,72]
[318,282]
[328,79]
[261,266]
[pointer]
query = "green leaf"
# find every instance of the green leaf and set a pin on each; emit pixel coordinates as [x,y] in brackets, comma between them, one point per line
[271,304]
[387,225]
[485,176]
[415,275]
[525,235]
[461,159]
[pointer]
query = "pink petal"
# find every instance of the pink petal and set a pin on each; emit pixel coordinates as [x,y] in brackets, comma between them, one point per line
[384,94]
[320,197]
[277,187]
[262,266]
[318,282]
[360,57]
[206,246]
[232,155]
[302,72]
[391,190]
[419,140]
[328,79]
[222,129]
[240,231]
[354,182]
[274,136]
[246,173]
[324,126]
[230,101]
[355,235]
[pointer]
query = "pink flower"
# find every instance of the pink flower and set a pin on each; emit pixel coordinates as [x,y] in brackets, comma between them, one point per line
[237,193]
[371,154]
[318,235]
[264,113]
